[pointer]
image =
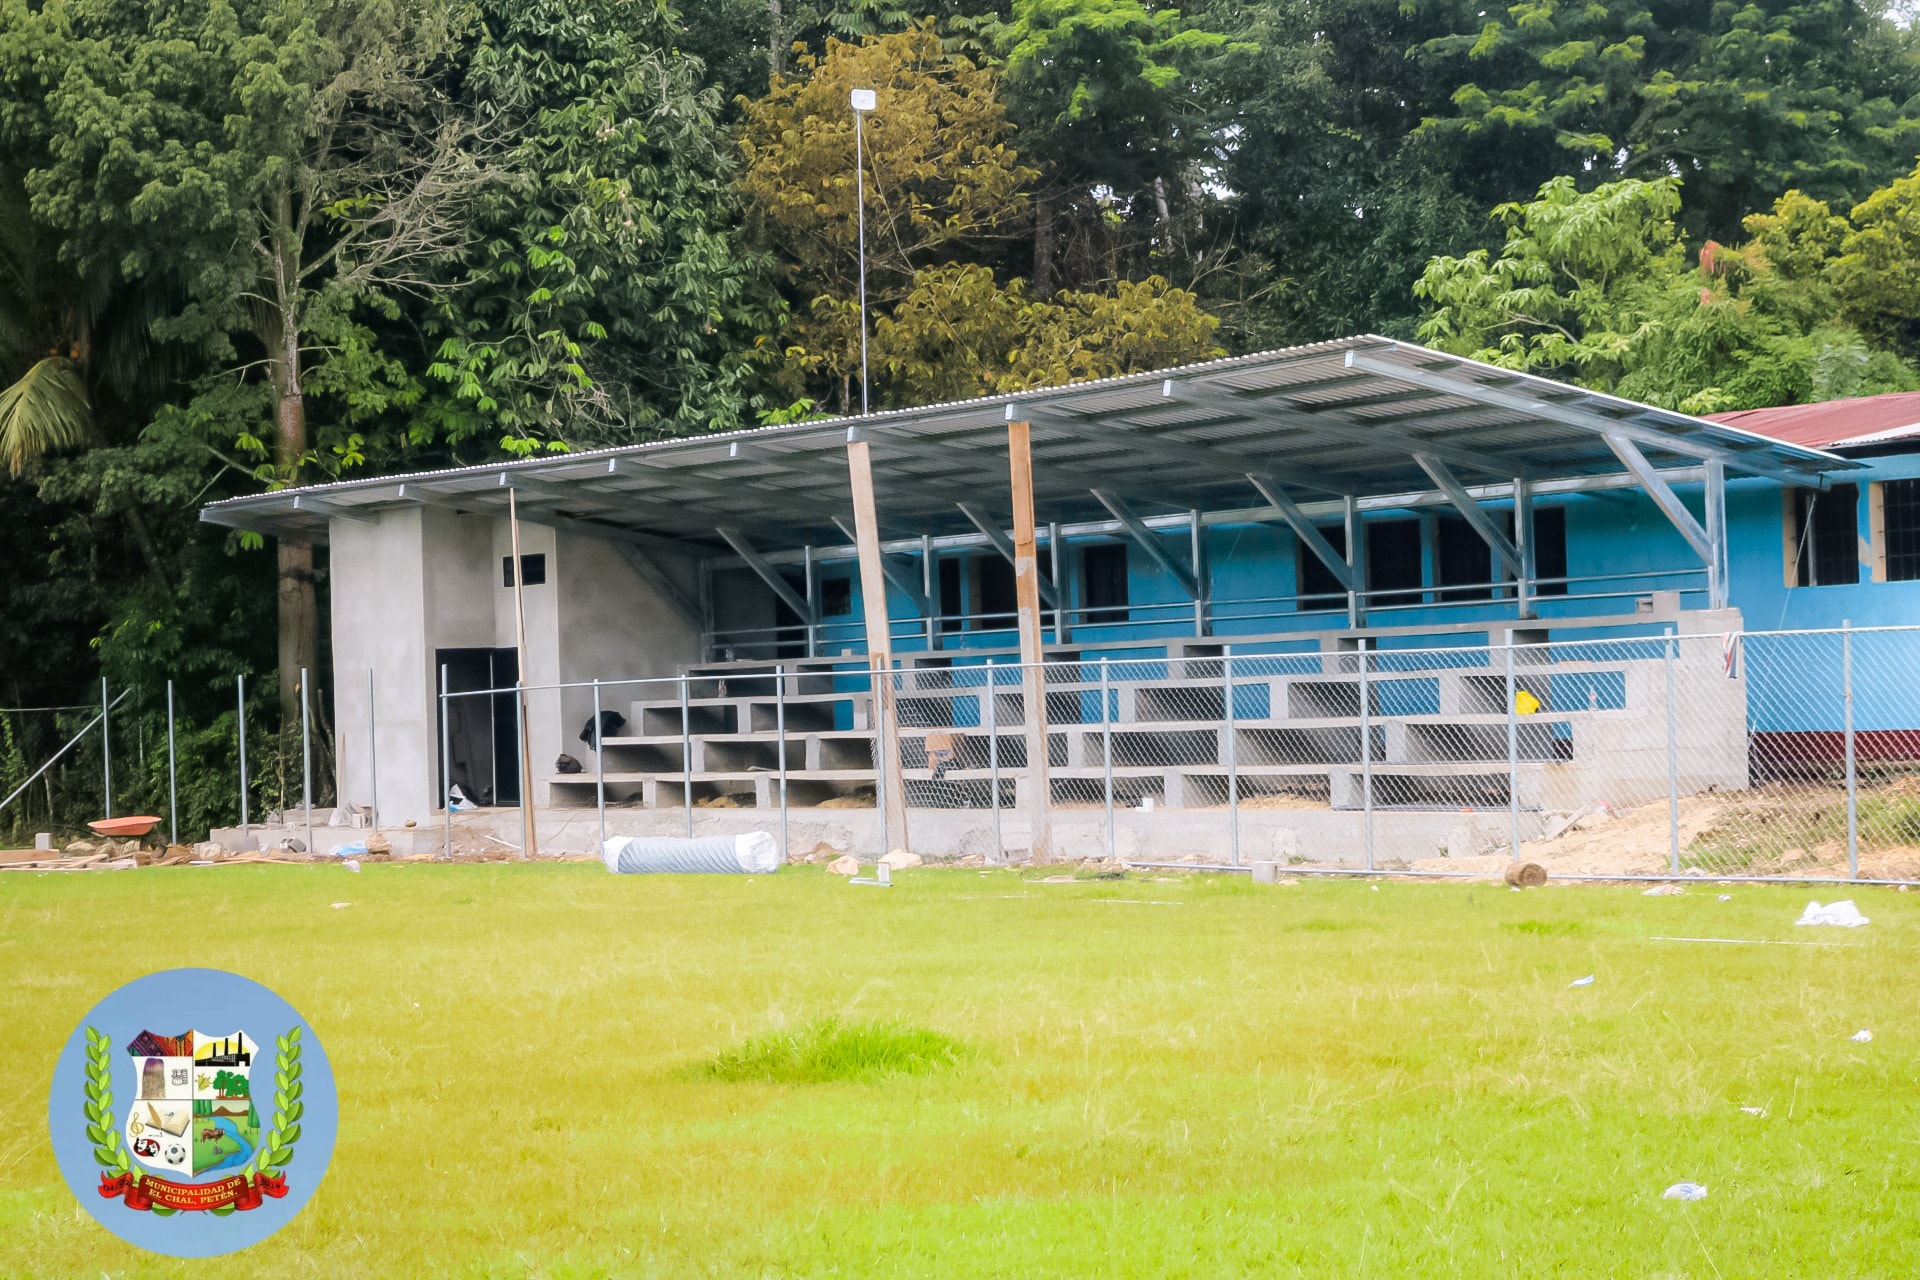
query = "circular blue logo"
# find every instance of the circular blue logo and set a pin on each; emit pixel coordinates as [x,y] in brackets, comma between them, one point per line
[193,1112]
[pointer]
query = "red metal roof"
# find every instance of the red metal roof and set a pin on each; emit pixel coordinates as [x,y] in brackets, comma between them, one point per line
[1833,423]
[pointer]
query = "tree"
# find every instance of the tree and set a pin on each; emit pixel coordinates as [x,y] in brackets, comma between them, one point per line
[946,195]
[294,161]
[1112,94]
[1740,98]
[943,183]
[1596,288]
[604,295]
[958,333]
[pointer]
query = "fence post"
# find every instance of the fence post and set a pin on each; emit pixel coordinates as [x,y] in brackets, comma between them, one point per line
[1853,771]
[1513,758]
[599,767]
[240,688]
[780,732]
[1366,751]
[173,776]
[1673,764]
[306,757]
[991,706]
[106,750]
[686,752]
[373,759]
[446,761]
[529,820]
[1106,748]
[1232,753]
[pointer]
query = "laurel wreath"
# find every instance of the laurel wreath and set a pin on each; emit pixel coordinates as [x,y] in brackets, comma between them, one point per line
[275,1152]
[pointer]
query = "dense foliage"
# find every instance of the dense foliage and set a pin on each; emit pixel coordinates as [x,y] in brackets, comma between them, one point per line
[247,243]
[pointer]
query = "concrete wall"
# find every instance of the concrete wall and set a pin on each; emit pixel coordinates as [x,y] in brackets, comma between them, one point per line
[380,623]
[613,625]
[408,583]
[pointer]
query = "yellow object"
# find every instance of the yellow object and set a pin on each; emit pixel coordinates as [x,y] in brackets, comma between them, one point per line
[1525,703]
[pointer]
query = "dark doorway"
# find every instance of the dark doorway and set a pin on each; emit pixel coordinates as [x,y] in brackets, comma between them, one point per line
[1393,561]
[482,731]
[1462,561]
[999,602]
[789,628]
[953,594]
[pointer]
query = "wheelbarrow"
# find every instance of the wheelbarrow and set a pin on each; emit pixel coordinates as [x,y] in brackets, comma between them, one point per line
[122,828]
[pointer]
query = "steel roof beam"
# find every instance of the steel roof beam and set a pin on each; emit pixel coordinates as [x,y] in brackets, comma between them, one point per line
[890,566]
[1476,515]
[801,607]
[1149,543]
[1257,405]
[480,502]
[1227,466]
[1599,422]
[997,539]
[1308,532]
[1662,494]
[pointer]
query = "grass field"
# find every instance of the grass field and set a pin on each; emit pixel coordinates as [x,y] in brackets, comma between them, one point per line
[1113,1078]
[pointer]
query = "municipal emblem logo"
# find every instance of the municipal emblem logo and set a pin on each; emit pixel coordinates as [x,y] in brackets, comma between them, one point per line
[194,1142]
[193,1125]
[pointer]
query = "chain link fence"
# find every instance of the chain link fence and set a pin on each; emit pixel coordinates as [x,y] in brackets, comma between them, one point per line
[1760,755]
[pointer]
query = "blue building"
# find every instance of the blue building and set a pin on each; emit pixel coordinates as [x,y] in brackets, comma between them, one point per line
[1293,508]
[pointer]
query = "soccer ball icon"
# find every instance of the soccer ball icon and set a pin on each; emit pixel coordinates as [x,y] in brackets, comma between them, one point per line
[176,1153]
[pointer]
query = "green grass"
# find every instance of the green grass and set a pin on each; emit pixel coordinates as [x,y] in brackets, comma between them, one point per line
[1194,1078]
[829,1050]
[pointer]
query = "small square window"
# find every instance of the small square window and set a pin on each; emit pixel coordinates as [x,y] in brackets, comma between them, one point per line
[533,570]
[836,597]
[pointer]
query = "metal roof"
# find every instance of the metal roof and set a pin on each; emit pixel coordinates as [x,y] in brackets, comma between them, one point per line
[1333,418]
[1856,422]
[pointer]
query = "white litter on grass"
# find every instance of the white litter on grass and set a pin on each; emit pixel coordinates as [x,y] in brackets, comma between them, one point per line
[1754,1111]
[1662,891]
[352,864]
[1582,982]
[1842,914]
[1684,1191]
[1862,1036]
[1726,897]
[339,906]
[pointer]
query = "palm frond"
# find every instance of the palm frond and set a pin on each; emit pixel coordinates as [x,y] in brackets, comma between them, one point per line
[46,411]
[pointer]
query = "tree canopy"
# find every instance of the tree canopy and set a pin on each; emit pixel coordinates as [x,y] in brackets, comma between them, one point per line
[252,243]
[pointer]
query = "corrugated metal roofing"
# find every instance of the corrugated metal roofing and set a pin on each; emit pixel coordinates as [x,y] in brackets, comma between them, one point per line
[1834,424]
[1345,417]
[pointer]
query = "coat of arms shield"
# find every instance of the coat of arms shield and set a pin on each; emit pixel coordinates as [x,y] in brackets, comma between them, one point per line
[193,1111]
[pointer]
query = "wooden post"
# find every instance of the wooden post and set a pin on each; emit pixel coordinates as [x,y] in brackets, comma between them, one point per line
[1033,688]
[527,849]
[873,590]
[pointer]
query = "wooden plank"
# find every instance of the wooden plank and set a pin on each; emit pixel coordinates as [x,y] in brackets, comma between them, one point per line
[873,589]
[527,849]
[1026,586]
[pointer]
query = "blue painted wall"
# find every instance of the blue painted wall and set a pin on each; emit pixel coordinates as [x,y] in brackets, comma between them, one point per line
[1619,546]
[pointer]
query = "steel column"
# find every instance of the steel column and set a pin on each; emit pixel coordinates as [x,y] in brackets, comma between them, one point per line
[1106,749]
[173,779]
[1673,764]
[1853,770]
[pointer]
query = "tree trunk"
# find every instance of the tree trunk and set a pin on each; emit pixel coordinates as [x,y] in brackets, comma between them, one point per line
[299,613]
[1042,247]
[776,40]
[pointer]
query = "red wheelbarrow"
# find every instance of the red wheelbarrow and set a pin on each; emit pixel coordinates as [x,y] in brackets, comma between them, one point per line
[120,827]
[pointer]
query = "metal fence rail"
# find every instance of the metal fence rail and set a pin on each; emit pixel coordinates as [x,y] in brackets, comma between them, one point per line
[1757,755]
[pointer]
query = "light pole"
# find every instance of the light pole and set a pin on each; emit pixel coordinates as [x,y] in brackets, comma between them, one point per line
[864,101]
